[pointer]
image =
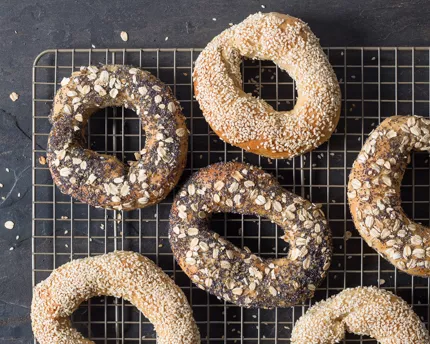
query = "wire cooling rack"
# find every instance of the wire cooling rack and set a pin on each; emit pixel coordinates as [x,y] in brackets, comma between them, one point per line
[375,82]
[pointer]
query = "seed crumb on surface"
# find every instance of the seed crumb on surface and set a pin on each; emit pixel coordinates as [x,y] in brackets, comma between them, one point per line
[9,224]
[124,36]
[348,235]
[14,96]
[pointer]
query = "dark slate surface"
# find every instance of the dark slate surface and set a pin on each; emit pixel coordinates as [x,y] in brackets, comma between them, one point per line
[27,27]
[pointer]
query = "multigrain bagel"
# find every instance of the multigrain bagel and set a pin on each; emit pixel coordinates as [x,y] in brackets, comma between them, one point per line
[120,274]
[374,193]
[102,180]
[236,275]
[364,311]
[250,123]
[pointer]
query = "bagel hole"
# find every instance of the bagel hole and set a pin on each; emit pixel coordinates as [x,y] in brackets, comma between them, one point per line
[109,318]
[258,234]
[415,189]
[265,80]
[116,131]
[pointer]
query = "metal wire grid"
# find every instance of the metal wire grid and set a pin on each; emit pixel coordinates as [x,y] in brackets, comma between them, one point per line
[376,83]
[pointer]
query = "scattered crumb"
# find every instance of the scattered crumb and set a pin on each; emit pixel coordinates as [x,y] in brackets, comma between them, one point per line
[11,249]
[166,38]
[1,185]
[66,231]
[124,36]
[381,281]
[373,58]
[19,194]
[93,46]
[9,224]
[7,170]
[263,6]
[214,19]
[230,24]
[137,156]
[14,96]
[64,217]
[185,74]
[348,235]
[17,237]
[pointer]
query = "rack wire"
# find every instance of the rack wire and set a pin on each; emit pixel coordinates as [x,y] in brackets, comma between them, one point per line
[376,82]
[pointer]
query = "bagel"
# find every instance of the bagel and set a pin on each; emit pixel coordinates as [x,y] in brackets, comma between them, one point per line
[250,123]
[374,193]
[120,274]
[102,180]
[236,275]
[365,311]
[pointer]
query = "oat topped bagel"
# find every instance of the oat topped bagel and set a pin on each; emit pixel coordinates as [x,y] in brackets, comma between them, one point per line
[102,180]
[250,123]
[237,275]
[123,274]
[364,311]
[374,193]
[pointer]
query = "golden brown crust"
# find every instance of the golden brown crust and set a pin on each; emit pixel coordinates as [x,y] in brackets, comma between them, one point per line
[250,123]
[374,193]
[364,311]
[236,275]
[120,274]
[102,180]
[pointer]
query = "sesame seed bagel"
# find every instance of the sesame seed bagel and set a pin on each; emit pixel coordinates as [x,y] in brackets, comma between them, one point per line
[250,123]
[374,193]
[102,180]
[365,311]
[120,274]
[236,275]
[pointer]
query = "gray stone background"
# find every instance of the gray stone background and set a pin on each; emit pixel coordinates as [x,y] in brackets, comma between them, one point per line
[27,27]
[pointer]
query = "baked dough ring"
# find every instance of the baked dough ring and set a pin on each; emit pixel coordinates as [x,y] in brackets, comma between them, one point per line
[374,193]
[236,275]
[120,274]
[365,311]
[250,123]
[102,180]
